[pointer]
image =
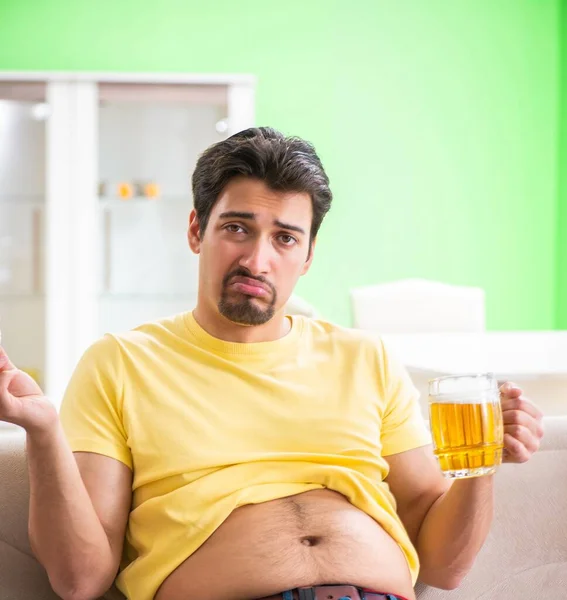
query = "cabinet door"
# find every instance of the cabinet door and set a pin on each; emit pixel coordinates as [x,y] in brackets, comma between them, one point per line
[22,203]
[150,137]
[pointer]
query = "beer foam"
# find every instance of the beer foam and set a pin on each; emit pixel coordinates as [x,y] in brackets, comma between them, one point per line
[466,398]
[465,389]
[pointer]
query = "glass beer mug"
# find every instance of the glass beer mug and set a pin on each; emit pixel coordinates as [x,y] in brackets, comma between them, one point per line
[466,424]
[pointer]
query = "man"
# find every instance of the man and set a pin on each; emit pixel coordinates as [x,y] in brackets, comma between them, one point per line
[234,452]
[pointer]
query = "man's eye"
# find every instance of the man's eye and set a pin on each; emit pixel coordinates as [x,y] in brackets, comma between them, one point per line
[287,240]
[234,228]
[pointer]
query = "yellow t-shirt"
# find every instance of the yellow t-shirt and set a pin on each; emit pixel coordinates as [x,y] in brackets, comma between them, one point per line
[208,426]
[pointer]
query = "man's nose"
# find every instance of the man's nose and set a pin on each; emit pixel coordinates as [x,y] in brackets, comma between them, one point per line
[257,258]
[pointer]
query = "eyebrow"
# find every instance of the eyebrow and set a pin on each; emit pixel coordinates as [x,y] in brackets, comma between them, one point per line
[235,214]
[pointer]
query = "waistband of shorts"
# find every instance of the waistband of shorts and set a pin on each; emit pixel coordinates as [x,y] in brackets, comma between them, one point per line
[334,592]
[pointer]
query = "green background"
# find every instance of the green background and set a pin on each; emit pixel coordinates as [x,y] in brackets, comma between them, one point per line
[440,122]
[561,221]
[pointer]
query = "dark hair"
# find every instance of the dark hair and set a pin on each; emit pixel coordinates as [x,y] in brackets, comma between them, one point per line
[287,164]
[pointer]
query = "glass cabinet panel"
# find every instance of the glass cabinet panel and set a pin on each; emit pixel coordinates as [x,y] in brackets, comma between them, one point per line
[23,112]
[150,137]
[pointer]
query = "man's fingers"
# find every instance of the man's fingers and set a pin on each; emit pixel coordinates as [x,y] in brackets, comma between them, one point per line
[514,450]
[523,419]
[524,436]
[5,362]
[6,398]
[509,389]
[5,379]
[521,403]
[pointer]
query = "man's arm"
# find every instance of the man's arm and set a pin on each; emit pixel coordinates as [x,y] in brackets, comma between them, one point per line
[447,523]
[78,508]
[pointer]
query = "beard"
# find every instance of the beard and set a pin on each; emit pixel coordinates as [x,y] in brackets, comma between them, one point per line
[243,309]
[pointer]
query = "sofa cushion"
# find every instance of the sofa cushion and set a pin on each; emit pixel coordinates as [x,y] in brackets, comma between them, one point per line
[525,555]
[21,576]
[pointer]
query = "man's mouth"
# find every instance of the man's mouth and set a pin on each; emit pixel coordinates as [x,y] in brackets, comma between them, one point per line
[249,287]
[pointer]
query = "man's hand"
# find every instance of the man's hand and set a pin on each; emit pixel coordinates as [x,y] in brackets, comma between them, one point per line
[21,400]
[523,427]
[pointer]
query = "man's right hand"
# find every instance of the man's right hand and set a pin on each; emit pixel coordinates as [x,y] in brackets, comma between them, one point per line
[21,400]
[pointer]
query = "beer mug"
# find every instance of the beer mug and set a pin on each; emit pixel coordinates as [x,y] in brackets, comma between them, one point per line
[466,424]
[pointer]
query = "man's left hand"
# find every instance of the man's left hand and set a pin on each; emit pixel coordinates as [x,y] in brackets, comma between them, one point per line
[523,427]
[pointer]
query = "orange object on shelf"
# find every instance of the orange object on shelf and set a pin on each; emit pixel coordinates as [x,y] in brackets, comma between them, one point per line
[125,191]
[151,190]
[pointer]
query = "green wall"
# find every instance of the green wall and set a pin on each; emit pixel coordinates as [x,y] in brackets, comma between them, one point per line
[437,121]
[561,271]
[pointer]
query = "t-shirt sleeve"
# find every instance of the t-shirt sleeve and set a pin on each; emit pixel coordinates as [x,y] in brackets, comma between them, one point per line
[91,411]
[403,425]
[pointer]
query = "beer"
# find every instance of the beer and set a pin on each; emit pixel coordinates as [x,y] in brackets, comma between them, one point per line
[467,429]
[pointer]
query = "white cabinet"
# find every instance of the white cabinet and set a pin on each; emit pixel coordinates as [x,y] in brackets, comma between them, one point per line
[77,258]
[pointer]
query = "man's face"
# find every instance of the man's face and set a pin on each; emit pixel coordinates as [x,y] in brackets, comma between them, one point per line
[254,249]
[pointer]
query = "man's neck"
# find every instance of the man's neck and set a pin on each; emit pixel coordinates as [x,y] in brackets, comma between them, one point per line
[223,329]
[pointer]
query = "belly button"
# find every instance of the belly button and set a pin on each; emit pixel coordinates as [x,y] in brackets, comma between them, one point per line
[309,540]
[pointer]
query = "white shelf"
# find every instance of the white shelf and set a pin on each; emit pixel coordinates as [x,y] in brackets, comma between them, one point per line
[110,201]
[9,297]
[34,200]
[150,297]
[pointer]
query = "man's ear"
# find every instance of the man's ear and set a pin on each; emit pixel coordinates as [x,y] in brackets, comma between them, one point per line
[194,233]
[309,257]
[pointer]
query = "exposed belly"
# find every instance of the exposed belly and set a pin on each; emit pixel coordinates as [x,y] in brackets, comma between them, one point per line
[313,538]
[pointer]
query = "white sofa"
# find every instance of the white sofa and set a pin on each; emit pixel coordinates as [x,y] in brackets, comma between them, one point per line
[525,557]
[418,306]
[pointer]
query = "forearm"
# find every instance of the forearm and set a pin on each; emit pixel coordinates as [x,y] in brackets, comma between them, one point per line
[65,531]
[454,531]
